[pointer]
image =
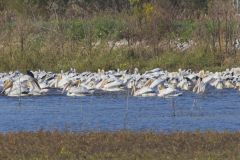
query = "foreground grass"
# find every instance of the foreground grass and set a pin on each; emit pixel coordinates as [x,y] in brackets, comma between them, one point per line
[121,145]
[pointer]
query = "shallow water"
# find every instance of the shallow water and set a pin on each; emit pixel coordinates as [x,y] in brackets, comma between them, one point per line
[216,110]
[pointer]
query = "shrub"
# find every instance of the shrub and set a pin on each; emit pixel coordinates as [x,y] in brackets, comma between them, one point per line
[76,30]
[107,27]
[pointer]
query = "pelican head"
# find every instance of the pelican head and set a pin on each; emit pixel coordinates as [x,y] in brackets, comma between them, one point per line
[77,83]
[68,85]
[201,73]
[35,81]
[161,87]
[6,85]
[58,79]
[71,84]
[102,71]
[133,87]
[136,71]
[104,82]
[30,73]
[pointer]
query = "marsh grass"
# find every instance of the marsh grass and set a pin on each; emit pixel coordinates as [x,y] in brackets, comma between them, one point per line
[120,145]
[101,57]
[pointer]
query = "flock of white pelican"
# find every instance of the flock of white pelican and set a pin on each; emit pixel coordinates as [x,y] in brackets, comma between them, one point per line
[156,82]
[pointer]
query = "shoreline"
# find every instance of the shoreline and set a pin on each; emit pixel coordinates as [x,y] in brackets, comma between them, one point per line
[123,59]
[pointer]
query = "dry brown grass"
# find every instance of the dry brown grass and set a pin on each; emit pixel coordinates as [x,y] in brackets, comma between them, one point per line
[120,145]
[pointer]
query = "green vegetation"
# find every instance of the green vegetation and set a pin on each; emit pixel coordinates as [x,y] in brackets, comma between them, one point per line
[64,34]
[119,146]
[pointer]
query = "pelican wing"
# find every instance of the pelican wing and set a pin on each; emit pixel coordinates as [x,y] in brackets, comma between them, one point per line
[113,84]
[156,83]
[143,90]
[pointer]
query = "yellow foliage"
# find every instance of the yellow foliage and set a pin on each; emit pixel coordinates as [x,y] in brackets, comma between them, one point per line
[148,9]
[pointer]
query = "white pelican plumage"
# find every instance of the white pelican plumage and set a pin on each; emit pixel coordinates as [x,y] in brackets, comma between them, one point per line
[23,86]
[13,89]
[199,87]
[145,91]
[75,89]
[169,91]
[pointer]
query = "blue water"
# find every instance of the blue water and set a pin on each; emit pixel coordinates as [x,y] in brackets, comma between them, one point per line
[215,111]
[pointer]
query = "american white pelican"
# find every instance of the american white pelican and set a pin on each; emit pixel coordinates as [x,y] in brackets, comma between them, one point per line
[75,89]
[23,86]
[185,84]
[14,89]
[199,87]
[144,92]
[169,91]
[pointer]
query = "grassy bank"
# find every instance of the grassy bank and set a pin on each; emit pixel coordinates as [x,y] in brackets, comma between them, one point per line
[121,145]
[84,45]
[104,58]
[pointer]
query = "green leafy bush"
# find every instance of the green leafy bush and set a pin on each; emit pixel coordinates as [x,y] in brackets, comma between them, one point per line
[76,30]
[107,27]
[184,29]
